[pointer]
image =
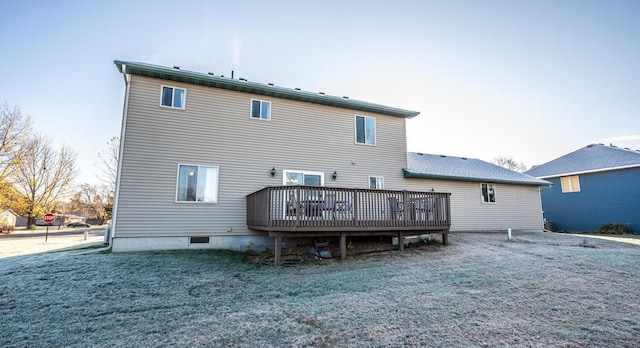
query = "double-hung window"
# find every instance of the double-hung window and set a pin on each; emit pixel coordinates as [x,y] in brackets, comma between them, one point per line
[570,183]
[260,109]
[488,193]
[365,130]
[197,183]
[173,97]
[376,182]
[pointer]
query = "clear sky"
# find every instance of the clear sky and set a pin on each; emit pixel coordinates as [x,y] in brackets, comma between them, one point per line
[532,80]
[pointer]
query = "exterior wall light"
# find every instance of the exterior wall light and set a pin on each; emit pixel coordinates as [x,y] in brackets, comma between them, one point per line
[273,171]
[334,175]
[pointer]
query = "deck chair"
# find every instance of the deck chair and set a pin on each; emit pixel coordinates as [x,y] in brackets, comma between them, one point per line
[292,205]
[396,209]
[344,208]
[329,205]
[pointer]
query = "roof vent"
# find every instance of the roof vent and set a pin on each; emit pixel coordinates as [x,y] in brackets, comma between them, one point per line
[443,156]
[321,93]
[626,148]
[345,97]
[242,79]
[221,75]
[210,73]
[420,153]
[176,67]
[270,84]
[600,144]
[297,89]
[464,158]
[590,145]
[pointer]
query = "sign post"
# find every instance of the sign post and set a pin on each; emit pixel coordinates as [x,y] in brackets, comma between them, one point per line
[48,219]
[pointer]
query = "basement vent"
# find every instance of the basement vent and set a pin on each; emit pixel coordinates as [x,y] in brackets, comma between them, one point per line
[198,240]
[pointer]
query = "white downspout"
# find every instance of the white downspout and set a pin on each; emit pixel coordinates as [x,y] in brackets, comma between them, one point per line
[116,198]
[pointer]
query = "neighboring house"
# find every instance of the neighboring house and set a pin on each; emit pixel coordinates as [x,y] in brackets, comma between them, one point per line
[8,219]
[484,196]
[594,185]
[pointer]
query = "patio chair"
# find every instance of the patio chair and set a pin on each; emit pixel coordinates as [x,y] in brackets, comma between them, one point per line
[396,209]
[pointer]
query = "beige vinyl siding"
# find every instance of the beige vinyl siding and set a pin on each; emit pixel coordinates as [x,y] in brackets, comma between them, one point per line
[516,206]
[216,129]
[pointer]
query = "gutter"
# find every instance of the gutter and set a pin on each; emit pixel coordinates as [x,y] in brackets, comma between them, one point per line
[125,112]
[408,174]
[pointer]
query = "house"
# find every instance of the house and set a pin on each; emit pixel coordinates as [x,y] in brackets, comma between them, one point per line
[484,196]
[8,220]
[197,147]
[208,161]
[591,186]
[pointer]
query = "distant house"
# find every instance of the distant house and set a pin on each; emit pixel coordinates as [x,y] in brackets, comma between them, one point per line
[594,185]
[484,196]
[8,219]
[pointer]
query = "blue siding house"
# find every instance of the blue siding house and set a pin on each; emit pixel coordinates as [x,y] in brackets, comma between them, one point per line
[591,186]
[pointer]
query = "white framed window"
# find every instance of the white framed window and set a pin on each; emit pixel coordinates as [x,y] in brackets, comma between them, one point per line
[488,193]
[260,109]
[173,97]
[376,182]
[365,130]
[307,178]
[570,184]
[302,177]
[197,184]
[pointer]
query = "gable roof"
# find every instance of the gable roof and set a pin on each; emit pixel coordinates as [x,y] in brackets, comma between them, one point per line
[242,85]
[592,158]
[464,169]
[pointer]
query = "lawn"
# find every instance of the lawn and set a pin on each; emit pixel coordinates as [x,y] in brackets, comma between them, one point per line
[539,290]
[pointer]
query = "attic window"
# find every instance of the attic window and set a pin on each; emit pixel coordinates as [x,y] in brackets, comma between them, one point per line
[570,184]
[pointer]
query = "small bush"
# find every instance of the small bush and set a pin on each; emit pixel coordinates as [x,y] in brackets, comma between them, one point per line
[613,228]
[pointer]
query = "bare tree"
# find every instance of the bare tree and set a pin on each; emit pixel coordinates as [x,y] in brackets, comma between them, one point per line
[13,130]
[109,163]
[510,163]
[43,175]
[94,201]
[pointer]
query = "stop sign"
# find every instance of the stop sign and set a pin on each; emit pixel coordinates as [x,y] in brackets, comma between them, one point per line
[48,218]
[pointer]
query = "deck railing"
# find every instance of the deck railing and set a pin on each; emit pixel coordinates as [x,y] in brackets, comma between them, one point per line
[313,208]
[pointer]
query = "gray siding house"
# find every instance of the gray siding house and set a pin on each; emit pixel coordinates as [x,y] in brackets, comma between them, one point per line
[198,150]
[226,138]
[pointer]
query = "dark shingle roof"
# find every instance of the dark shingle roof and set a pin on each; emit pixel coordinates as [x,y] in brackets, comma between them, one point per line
[210,80]
[594,157]
[464,169]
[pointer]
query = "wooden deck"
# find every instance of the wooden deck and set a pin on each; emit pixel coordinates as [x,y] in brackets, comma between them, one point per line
[311,211]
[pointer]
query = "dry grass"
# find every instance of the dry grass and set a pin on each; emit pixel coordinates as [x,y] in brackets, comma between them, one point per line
[538,290]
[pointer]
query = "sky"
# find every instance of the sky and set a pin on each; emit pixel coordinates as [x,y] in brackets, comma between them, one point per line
[530,80]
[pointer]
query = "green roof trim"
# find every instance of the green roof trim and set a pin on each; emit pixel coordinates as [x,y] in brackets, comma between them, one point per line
[209,80]
[409,174]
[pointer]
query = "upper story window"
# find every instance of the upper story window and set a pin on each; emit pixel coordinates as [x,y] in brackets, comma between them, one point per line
[488,193]
[173,97]
[365,130]
[376,182]
[197,184]
[260,109]
[570,183]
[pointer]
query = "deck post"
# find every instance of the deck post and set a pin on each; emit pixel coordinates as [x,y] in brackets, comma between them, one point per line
[445,238]
[343,245]
[278,251]
[401,240]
